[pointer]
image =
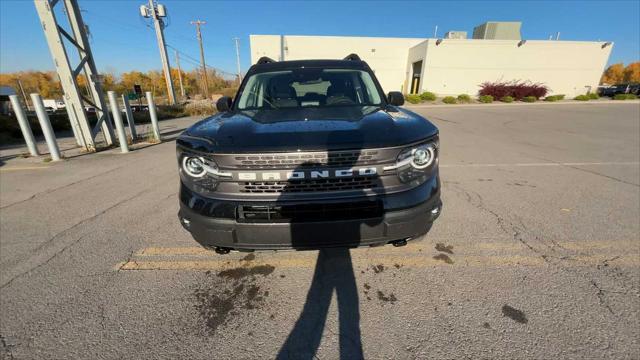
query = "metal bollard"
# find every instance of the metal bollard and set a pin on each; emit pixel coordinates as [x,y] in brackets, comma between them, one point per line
[24,125]
[45,124]
[154,115]
[130,120]
[117,118]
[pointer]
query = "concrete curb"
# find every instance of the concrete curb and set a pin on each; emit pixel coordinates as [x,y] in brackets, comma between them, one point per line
[540,103]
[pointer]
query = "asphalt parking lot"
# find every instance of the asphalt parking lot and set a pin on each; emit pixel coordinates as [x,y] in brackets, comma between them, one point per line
[536,255]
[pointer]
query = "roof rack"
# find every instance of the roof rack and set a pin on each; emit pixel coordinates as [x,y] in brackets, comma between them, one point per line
[352,57]
[265,60]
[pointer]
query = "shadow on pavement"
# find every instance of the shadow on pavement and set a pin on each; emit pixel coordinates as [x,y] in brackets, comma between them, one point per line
[334,268]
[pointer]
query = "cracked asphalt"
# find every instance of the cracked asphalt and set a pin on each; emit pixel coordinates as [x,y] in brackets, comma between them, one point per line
[536,255]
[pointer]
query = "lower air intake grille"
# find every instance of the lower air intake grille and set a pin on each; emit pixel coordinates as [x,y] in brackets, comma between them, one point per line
[343,184]
[310,212]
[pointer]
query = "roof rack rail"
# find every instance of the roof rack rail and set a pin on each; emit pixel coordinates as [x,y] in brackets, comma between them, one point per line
[265,60]
[352,57]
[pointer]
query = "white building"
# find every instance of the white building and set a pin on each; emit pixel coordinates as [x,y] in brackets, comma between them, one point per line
[452,66]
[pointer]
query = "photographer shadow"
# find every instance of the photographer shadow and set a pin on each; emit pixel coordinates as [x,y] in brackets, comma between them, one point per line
[333,270]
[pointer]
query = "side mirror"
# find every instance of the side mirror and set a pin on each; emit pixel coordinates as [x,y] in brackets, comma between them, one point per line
[395,98]
[224,104]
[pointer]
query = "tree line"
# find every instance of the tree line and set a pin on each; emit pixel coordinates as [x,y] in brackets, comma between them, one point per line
[47,84]
[618,73]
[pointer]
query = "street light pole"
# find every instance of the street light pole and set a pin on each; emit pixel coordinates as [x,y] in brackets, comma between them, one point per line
[238,59]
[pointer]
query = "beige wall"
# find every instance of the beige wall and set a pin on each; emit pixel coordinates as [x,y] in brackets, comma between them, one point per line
[456,66]
[388,60]
[459,66]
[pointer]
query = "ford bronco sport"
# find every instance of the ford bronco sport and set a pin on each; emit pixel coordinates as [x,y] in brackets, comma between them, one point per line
[309,154]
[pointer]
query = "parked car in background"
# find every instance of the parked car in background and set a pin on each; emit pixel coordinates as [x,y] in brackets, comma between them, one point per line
[614,90]
[54,104]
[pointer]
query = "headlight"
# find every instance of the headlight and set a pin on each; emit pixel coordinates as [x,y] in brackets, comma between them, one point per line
[419,157]
[416,163]
[423,156]
[193,166]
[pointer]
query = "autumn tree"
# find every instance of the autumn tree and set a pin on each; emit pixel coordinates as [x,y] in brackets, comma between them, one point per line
[632,73]
[48,85]
[613,75]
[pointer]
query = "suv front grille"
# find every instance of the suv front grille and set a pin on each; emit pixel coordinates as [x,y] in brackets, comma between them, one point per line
[342,184]
[311,159]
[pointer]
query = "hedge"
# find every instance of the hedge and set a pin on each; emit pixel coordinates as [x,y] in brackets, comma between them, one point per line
[516,89]
[412,98]
[529,99]
[506,99]
[464,98]
[449,100]
[427,96]
[581,98]
[624,97]
[485,99]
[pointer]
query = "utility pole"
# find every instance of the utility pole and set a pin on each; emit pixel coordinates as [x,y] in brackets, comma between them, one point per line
[205,83]
[179,73]
[238,59]
[157,12]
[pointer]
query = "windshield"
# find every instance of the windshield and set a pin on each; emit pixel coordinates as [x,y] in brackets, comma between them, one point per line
[308,87]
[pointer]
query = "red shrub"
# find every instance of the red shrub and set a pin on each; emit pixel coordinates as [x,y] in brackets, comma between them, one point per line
[517,89]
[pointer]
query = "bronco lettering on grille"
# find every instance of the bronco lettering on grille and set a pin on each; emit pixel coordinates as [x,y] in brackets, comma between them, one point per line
[311,174]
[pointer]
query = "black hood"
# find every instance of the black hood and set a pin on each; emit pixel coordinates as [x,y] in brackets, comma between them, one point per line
[328,128]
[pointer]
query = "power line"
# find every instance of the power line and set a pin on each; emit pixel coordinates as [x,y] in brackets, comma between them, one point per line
[195,61]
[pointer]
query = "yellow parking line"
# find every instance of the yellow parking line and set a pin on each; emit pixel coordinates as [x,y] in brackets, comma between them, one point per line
[21,168]
[622,245]
[388,261]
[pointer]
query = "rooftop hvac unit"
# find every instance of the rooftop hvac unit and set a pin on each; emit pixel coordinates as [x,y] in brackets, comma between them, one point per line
[455,35]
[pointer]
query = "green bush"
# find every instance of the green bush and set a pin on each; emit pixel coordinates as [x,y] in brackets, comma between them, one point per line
[625,97]
[449,100]
[593,96]
[412,98]
[581,98]
[559,96]
[529,99]
[427,96]
[485,99]
[464,98]
[551,98]
[507,99]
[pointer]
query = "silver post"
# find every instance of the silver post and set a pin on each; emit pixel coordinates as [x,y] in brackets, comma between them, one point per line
[238,59]
[117,118]
[24,125]
[45,124]
[130,119]
[154,115]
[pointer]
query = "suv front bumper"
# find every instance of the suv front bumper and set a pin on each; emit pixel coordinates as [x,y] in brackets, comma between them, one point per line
[405,215]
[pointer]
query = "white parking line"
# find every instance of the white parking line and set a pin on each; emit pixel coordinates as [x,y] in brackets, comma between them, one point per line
[630,163]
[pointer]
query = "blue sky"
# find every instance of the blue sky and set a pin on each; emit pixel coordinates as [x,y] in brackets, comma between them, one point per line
[122,41]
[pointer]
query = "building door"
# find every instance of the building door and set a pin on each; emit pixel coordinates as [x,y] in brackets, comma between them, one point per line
[415,77]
